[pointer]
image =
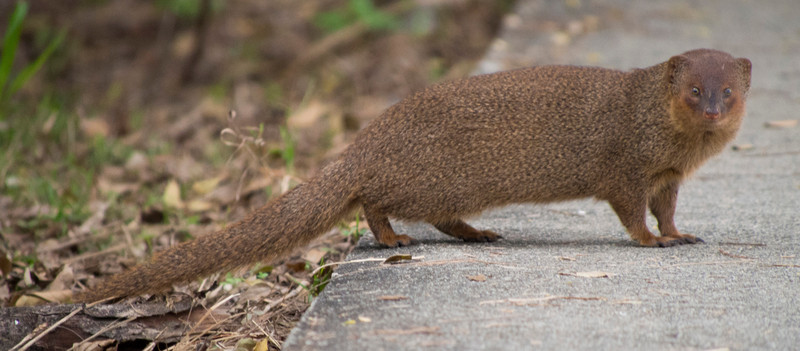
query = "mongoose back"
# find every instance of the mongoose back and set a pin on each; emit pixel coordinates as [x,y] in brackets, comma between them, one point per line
[533,135]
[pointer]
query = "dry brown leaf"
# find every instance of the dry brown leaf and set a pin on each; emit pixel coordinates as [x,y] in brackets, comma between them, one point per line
[199,206]
[397,258]
[296,266]
[172,195]
[786,123]
[63,281]
[43,297]
[137,161]
[565,258]
[393,297]
[5,263]
[314,255]
[742,147]
[262,345]
[308,115]
[206,186]
[477,278]
[593,274]
[94,127]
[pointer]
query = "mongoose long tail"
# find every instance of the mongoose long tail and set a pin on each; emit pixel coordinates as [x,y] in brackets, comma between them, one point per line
[290,221]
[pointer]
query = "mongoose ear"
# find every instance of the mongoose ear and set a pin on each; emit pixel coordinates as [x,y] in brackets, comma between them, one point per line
[745,67]
[675,65]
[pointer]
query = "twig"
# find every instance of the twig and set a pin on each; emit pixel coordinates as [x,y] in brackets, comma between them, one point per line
[742,244]
[342,37]
[706,263]
[355,261]
[114,325]
[283,298]
[528,301]
[117,247]
[268,335]
[200,35]
[726,253]
[45,332]
[193,335]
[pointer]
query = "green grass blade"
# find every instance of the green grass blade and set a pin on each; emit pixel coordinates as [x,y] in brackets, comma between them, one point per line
[31,69]
[10,42]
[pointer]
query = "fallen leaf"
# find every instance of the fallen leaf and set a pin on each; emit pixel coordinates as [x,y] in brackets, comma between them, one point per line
[94,127]
[565,258]
[296,266]
[245,344]
[262,345]
[393,297]
[94,345]
[307,116]
[786,123]
[593,274]
[199,206]
[349,322]
[206,186]
[628,302]
[63,281]
[363,319]
[43,297]
[152,216]
[314,255]
[397,258]
[5,263]
[137,161]
[477,278]
[419,330]
[172,195]
[742,147]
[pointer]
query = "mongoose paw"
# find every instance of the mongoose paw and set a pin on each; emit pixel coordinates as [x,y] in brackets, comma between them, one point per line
[675,240]
[400,241]
[485,236]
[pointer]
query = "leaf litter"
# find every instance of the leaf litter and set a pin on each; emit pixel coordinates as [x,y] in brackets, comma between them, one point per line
[173,184]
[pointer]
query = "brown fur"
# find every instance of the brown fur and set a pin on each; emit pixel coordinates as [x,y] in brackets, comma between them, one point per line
[538,135]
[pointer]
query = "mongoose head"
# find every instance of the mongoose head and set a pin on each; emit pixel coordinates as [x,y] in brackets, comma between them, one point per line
[708,90]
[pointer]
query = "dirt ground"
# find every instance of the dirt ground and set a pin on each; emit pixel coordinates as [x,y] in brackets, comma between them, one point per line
[164,120]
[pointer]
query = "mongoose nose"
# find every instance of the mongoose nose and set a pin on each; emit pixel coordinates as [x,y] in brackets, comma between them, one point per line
[712,113]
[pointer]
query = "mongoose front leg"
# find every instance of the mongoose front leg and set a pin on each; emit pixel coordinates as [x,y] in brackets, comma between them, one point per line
[632,213]
[464,231]
[382,230]
[662,206]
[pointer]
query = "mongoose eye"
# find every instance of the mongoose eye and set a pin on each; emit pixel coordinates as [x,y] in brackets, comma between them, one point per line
[695,91]
[726,92]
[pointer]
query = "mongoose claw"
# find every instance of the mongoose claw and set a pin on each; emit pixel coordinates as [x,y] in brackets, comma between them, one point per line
[485,236]
[678,240]
[405,240]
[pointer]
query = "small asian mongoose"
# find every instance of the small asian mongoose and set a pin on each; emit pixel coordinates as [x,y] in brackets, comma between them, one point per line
[453,150]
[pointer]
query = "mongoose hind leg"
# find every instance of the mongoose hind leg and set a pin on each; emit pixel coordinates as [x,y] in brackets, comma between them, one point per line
[464,231]
[382,230]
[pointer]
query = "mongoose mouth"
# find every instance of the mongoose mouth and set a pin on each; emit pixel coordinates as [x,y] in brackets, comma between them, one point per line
[714,124]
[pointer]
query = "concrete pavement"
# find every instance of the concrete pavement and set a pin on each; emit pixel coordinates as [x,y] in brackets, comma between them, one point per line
[567,276]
